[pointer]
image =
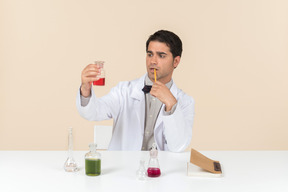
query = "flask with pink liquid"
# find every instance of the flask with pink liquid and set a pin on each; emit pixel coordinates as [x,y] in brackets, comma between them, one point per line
[101,80]
[153,166]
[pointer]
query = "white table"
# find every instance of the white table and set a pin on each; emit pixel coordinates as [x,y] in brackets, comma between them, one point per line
[43,171]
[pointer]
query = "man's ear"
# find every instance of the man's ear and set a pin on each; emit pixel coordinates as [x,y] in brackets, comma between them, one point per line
[176,61]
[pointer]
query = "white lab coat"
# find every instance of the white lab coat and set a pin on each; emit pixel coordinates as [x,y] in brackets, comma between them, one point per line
[126,105]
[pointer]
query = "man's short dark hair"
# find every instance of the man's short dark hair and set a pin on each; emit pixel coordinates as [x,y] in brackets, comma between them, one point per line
[171,40]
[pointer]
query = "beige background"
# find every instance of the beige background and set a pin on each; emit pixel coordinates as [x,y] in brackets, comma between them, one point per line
[234,64]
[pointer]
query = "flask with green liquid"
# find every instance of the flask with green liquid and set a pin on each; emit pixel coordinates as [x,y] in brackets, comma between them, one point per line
[93,161]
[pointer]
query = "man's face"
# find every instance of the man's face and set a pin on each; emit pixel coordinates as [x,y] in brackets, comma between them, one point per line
[160,58]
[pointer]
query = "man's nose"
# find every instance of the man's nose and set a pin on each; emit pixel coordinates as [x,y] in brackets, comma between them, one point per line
[154,59]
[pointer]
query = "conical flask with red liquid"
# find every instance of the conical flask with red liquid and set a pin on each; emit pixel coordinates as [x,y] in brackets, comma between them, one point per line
[101,76]
[153,166]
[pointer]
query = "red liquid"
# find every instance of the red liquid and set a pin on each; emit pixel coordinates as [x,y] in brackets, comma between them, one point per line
[100,81]
[153,172]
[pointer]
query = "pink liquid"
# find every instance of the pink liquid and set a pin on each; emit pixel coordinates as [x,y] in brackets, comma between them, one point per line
[153,172]
[100,82]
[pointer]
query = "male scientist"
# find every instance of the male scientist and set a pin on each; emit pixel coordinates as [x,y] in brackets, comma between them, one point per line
[147,110]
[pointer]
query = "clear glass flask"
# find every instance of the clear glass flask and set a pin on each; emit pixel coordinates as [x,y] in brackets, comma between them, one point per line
[141,172]
[70,164]
[153,166]
[93,161]
[101,80]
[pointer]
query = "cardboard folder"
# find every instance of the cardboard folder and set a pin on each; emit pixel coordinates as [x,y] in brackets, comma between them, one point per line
[206,166]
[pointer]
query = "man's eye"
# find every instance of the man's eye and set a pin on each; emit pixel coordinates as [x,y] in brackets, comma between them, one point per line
[149,54]
[162,56]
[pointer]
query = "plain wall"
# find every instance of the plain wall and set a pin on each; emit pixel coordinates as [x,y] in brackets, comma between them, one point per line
[234,65]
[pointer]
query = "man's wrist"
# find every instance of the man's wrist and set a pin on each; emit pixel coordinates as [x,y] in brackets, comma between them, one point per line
[84,91]
[171,111]
[169,106]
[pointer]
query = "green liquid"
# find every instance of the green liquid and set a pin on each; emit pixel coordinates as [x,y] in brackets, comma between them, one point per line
[93,167]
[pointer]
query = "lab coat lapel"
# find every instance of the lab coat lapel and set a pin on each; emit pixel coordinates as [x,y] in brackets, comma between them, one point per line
[139,103]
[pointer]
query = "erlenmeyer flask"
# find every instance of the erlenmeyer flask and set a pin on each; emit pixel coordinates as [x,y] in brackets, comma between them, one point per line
[141,172]
[153,166]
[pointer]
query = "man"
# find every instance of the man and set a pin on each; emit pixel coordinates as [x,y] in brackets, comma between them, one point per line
[164,116]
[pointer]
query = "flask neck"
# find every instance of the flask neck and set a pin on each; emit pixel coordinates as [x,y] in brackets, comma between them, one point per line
[70,143]
[93,148]
[153,154]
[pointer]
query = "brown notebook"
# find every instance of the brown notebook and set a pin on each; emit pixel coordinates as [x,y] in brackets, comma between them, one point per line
[205,163]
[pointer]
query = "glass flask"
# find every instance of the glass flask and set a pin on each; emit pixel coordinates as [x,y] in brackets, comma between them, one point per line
[153,166]
[101,77]
[70,164]
[141,172]
[93,161]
